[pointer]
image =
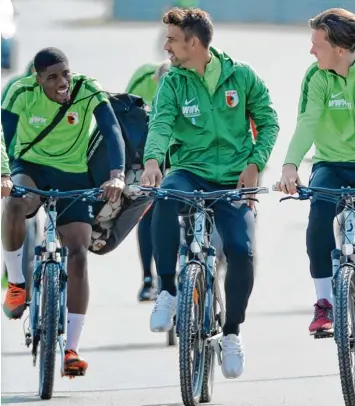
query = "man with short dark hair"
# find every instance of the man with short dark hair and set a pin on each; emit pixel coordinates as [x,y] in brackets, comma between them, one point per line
[58,161]
[201,113]
[326,118]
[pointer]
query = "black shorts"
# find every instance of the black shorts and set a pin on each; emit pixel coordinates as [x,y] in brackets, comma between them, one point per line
[46,178]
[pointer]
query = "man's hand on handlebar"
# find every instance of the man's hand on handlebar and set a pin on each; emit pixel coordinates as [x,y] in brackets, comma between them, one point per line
[152,175]
[249,178]
[6,186]
[289,180]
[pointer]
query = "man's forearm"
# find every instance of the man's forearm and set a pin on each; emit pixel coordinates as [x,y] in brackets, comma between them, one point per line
[111,131]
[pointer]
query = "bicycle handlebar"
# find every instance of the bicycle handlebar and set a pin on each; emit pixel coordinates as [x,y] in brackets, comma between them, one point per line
[332,195]
[88,194]
[229,194]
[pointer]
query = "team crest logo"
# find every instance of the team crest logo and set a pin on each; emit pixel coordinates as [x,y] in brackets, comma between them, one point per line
[232,98]
[73,118]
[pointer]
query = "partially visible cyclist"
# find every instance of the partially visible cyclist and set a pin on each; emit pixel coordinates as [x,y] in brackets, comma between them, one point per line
[32,225]
[6,183]
[326,118]
[201,114]
[58,161]
[28,72]
[144,83]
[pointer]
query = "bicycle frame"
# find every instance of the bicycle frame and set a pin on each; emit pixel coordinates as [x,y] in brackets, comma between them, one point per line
[49,252]
[344,234]
[204,254]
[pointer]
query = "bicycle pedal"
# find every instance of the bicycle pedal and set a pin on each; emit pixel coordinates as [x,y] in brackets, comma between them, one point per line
[72,373]
[28,340]
[323,334]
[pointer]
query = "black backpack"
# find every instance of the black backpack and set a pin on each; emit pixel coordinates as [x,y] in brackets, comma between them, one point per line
[109,230]
[133,119]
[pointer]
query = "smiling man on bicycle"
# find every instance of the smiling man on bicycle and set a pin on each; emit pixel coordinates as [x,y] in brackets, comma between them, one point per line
[201,114]
[327,119]
[57,160]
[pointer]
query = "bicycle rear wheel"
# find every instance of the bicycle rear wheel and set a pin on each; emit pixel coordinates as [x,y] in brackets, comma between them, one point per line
[49,328]
[191,341]
[345,330]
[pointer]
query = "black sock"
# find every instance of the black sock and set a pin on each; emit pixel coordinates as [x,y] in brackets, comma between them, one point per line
[229,328]
[168,283]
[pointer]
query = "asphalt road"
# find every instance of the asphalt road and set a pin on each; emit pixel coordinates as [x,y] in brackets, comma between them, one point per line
[129,365]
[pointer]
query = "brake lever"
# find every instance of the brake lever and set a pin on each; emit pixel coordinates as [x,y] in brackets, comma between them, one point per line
[288,197]
[254,199]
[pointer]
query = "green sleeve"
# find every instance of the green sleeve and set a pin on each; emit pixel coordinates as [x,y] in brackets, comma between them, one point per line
[5,169]
[7,86]
[161,121]
[262,112]
[15,101]
[310,109]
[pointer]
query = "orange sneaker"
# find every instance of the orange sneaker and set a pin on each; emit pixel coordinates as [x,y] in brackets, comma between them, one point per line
[73,364]
[15,301]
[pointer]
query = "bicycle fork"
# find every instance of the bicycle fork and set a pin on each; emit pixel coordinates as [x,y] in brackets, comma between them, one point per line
[33,335]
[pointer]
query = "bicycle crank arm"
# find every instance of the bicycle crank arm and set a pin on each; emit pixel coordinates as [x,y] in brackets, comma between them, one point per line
[216,343]
[35,348]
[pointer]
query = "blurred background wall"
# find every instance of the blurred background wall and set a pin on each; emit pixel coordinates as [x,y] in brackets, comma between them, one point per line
[265,11]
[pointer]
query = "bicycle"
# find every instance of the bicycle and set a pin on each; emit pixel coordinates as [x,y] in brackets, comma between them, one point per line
[48,314]
[200,312]
[343,281]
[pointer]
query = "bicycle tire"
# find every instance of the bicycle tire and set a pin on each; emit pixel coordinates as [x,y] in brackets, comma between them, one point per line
[49,328]
[191,376]
[345,289]
[210,361]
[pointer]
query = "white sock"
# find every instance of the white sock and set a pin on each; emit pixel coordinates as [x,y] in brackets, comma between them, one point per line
[324,289]
[13,262]
[74,329]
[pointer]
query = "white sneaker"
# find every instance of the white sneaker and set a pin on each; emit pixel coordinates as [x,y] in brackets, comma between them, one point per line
[233,358]
[163,313]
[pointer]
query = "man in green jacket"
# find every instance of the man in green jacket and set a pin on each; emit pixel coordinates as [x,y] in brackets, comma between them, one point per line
[326,118]
[201,113]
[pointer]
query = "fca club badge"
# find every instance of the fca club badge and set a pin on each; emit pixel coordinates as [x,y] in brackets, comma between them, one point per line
[73,118]
[232,98]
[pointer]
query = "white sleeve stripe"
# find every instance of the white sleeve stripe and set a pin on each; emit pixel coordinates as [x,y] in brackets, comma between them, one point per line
[156,99]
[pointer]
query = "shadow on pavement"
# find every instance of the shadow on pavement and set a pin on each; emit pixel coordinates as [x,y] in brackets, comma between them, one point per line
[26,398]
[176,404]
[104,348]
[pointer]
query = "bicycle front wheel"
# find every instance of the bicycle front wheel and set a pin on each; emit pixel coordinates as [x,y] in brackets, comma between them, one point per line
[49,328]
[191,340]
[345,330]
